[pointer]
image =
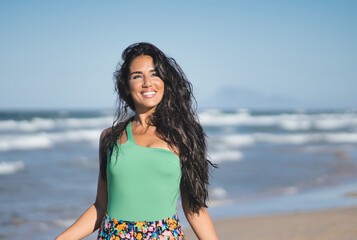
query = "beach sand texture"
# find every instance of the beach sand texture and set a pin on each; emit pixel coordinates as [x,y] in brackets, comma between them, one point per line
[331,224]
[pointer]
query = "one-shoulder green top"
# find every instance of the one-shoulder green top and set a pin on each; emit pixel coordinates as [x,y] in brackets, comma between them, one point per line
[143,182]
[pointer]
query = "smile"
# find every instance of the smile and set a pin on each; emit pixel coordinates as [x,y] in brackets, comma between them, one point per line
[148,94]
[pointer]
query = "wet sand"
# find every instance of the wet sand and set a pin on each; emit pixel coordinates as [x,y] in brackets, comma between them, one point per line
[331,224]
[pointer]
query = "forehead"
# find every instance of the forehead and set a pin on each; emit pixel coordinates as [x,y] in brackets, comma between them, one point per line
[143,62]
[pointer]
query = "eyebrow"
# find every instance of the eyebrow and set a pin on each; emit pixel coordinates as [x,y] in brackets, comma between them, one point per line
[139,72]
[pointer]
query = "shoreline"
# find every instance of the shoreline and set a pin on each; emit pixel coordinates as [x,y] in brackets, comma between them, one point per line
[328,224]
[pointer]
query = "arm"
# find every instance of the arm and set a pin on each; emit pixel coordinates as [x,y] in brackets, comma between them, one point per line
[91,219]
[201,223]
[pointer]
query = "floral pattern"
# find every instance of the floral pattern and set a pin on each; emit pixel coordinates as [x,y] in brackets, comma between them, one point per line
[166,229]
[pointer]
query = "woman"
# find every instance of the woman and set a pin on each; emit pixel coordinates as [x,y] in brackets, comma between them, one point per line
[147,159]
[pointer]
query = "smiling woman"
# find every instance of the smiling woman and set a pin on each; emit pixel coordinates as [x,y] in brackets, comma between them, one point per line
[140,180]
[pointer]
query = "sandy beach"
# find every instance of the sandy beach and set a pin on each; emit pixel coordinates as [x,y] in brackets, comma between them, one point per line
[331,224]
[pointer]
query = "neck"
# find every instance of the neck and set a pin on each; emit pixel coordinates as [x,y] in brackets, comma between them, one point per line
[141,120]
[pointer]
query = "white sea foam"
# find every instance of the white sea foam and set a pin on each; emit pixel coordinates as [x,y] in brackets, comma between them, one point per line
[298,121]
[45,133]
[237,140]
[218,193]
[47,140]
[224,153]
[239,118]
[35,141]
[240,140]
[295,125]
[27,126]
[218,196]
[330,122]
[342,138]
[291,190]
[287,138]
[76,135]
[227,155]
[41,124]
[11,167]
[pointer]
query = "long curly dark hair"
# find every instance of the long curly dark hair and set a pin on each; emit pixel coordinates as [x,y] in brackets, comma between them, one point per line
[175,120]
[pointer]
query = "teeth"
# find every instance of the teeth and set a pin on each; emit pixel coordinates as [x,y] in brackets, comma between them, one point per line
[148,93]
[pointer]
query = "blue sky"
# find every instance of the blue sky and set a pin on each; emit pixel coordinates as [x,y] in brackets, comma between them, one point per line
[62,54]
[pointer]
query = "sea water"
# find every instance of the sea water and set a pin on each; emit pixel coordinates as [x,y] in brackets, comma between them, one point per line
[268,161]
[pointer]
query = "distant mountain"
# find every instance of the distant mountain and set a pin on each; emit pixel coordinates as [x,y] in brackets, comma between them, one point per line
[231,97]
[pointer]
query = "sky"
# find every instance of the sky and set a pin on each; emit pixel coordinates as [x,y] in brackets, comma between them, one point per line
[62,54]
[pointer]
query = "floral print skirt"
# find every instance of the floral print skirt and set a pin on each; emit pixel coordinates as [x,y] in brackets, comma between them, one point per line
[114,229]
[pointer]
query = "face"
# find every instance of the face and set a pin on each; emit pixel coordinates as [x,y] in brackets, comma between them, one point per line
[146,88]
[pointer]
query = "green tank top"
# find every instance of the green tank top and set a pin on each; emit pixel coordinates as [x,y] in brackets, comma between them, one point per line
[143,182]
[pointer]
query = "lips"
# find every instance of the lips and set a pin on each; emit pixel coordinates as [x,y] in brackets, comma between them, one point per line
[148,94]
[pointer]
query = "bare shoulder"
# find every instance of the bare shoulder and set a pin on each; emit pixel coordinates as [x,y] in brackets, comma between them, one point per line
[105,132]
[108,130]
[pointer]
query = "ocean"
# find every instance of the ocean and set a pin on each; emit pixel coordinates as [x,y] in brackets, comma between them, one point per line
[268,162]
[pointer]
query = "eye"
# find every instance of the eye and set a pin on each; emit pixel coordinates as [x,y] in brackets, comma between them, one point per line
[154,75]
[136,76]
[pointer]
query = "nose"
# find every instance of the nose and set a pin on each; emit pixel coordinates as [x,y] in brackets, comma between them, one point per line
[147,81]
